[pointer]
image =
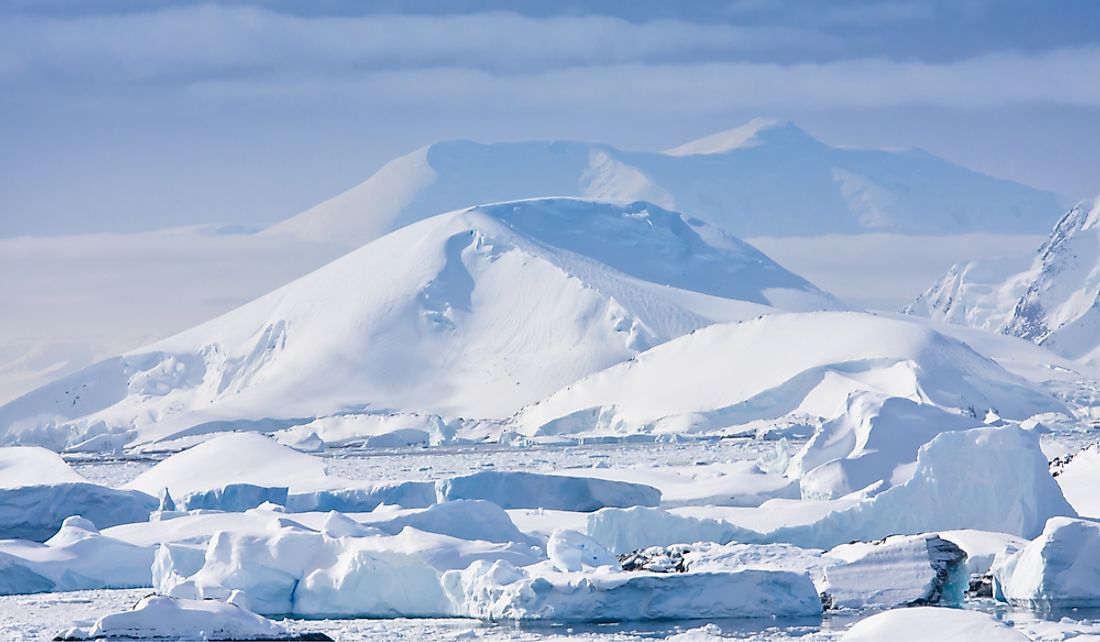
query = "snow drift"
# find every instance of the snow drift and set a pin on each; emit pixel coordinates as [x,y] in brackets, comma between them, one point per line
[791,365]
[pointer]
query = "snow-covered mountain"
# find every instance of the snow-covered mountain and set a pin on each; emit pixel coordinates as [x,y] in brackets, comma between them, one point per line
[471,313]
[766,178]
[795,367]
[1055,302]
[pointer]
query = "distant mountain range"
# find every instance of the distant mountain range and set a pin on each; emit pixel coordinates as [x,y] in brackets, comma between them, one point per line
[472,313]
[766,178]
[1054,302]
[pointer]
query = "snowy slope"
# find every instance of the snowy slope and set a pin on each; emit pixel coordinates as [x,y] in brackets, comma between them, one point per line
[472,313]
[767,178]
[1055,302]
[792,365]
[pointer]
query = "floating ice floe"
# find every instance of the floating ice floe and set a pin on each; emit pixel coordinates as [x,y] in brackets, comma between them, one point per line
[512,489]
[930,623]
[500,591]
[37,512]
[1057,570]
[993,479]
[77,557]
[157,617]
[904,570]
[290,569]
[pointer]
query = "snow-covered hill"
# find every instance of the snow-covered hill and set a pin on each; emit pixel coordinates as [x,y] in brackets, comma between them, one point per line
[1055,302]
[766,178]
[806,367]
[472,313]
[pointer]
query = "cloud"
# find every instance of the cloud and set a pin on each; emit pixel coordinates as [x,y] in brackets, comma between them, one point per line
[208,40]
[1058,77]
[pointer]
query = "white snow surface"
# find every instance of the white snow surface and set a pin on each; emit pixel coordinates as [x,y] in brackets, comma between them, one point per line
[77,557]
[931,623]
[797,365]
[157,617]
[32,466]
[501,591]
[993,479]
[766,178]
[1057,570]
[472,313]
[1080,481]
[1054,302]
[235,458]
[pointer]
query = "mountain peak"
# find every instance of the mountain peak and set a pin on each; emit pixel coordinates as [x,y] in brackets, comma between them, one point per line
[754,133]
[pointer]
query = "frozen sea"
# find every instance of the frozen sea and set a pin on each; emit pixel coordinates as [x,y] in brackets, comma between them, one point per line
[40,617]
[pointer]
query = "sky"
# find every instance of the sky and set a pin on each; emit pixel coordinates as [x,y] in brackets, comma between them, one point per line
[119,116]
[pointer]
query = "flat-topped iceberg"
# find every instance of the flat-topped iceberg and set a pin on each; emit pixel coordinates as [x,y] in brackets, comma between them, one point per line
[501,591]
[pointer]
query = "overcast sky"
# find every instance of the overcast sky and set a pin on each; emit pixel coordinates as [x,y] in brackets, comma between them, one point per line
[121,116]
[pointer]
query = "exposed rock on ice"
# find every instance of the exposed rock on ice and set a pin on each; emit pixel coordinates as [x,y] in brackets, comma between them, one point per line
[1080,481]
[514,489]
[1059,569]
[931,623]
[157,617]
[77,557]
[500,591]
[1053,302]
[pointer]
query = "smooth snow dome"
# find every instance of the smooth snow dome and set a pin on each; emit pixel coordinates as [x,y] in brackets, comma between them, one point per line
[32,465]
[1054,302]
[472,313]
[237,458]
[930,623]
[778,365]
[768,178]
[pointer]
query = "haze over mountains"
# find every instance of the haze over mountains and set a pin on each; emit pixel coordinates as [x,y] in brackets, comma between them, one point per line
[765,178]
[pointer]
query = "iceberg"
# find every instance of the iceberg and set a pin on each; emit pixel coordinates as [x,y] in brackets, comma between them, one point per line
[1056,570]
[157,617]
[498,590]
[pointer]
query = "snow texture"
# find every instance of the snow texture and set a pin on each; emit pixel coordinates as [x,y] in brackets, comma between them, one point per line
[479,312]
[1057,570]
